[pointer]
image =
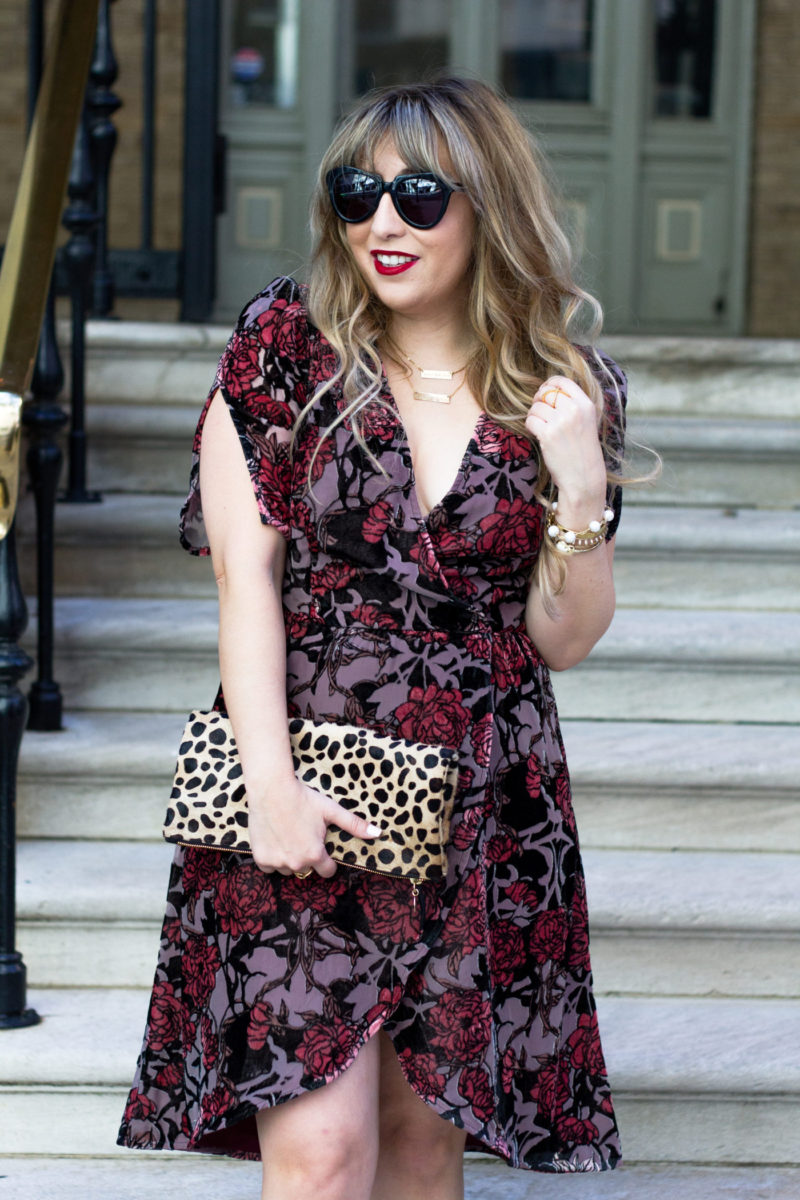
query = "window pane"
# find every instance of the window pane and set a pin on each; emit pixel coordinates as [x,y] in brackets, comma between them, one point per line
[399,41]
[546,49]
[684,57]
[264,46]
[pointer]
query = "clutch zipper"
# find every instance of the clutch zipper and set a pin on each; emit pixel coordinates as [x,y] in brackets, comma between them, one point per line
[352,866]
[386,875]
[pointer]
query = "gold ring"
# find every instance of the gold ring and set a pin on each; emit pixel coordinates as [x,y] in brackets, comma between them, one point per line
[304,874]
[551,392]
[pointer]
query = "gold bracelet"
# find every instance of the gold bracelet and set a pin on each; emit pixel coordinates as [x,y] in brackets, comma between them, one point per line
[577,541]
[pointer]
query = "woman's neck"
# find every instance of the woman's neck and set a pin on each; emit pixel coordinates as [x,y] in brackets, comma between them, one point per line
[447,343]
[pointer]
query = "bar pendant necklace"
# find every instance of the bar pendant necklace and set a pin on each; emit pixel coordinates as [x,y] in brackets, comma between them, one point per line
[434,373]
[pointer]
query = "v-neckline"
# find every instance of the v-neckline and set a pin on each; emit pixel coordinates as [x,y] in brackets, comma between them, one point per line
[402,435]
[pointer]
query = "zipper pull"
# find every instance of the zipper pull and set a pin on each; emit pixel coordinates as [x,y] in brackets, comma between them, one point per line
[414,893]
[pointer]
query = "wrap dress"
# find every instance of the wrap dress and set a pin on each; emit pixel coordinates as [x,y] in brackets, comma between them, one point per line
[267,985]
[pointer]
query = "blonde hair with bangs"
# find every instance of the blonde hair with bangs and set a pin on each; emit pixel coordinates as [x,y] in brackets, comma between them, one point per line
[524,304]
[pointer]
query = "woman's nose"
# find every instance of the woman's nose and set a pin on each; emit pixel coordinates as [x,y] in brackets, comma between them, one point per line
[387,222]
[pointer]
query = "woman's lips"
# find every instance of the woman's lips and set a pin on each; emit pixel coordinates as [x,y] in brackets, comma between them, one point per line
[391,264]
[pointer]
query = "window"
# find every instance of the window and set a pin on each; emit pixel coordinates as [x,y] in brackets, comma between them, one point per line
[546,49]
[683,44]
[264,50]
[399,41]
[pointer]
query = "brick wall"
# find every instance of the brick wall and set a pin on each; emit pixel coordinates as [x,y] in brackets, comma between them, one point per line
[125,210]
[774,300]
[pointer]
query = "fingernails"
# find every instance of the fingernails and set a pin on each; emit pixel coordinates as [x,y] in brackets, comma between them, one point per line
[373,830]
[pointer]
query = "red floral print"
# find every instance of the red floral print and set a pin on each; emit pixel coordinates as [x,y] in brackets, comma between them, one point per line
[549,936]
[314,893]
[422,1073]
[573,1130]
[138,1106]
[260,1024]
[199,964]
[482,739]
[522,893]
[459,1025]
[501,848]
[465,927]
[201,870]
[434,716]
[476,1088]
[243,370]
[168,1021]
[328,1047]
[218,1102]
[584,1045]
[167,1078]
[506,951]
[551,1090]
[376,521]
[388,904]
[508,662]
[510,529]
[244,898]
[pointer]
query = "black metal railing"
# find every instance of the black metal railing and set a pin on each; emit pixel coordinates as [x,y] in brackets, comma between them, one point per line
[91,274]
[24,283]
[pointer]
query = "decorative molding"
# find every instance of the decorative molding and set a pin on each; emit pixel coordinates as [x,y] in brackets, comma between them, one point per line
[259,218]
[679,230]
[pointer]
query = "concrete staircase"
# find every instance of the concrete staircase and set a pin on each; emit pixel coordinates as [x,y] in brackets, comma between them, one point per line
[681,730]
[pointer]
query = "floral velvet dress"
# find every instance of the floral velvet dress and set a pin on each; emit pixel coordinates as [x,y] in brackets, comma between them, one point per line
[268,985]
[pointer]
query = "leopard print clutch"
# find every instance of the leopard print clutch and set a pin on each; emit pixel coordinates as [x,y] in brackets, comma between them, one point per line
[404,787]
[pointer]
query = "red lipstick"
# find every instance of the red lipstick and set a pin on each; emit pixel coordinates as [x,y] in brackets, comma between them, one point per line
[382,269]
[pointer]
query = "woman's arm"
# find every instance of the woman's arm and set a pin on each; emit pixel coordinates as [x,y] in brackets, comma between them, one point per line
[287,819]
[570,446]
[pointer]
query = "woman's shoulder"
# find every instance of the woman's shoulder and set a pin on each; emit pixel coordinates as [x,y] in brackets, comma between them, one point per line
[607,370]
[278,317]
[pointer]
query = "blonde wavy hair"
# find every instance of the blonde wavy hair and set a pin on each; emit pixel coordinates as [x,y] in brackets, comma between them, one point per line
[525,307]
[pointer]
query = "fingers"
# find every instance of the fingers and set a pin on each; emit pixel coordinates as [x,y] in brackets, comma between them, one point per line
[350,823]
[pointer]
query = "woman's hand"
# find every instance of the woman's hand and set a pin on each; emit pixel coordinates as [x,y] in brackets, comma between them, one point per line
[287,830]
[564,421]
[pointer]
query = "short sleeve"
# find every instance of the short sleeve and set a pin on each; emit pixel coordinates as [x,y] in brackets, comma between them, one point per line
[614,383]
[262,376]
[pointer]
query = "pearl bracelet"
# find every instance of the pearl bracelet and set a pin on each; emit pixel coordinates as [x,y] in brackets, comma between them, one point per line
[573,541]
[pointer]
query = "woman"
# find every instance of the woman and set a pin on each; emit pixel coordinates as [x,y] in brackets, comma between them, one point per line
[384,557]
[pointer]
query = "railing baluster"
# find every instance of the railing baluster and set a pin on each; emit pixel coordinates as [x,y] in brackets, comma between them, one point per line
[148,124]
[44,418]
[14,663]
[80,218]
[101,105]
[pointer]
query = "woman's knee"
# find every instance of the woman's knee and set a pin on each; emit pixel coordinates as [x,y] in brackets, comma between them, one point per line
[324,1143]
[322,1162]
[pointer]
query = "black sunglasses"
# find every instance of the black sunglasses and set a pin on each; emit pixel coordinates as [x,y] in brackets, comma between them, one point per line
[420,197]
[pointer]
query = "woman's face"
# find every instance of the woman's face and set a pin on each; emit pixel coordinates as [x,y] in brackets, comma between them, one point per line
[433,281]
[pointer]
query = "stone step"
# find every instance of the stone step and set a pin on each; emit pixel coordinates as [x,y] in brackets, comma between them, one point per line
[140,654]
[136,1176]
[683,923]
[683,665]
[709,377]
[141,363]
[706,461]
[695,1080]
[637,784]
[666,557]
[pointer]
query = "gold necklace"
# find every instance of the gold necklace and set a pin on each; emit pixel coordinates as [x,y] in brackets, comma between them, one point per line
[439,397]
[436,373]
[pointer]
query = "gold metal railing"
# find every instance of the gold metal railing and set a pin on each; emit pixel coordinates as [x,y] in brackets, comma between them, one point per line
[31,240]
